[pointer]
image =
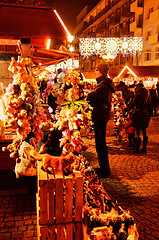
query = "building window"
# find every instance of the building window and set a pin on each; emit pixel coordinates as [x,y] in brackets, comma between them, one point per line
[157,53]
[112,31]
[148,34]
[149,12]
[147,56]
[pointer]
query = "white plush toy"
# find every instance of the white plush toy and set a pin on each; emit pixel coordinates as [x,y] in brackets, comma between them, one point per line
[25,163]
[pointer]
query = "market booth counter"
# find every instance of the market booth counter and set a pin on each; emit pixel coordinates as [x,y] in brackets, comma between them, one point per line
[9,184]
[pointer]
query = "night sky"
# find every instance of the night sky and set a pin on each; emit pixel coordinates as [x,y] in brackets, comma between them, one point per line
[69,9]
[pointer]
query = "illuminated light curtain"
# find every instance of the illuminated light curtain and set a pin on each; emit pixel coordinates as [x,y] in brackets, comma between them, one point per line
[100,46]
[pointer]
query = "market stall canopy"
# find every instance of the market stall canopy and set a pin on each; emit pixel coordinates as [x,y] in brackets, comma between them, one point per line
[139,71]
[30,22]
[89,75]
[44,57]
[112,73]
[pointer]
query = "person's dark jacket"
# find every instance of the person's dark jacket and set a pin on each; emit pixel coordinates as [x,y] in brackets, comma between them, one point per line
[125,91]
[154,97]
[141,101]
[100,99]
[157,88]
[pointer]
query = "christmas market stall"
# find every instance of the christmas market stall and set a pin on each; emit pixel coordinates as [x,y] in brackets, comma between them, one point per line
[148,74]
[71,201]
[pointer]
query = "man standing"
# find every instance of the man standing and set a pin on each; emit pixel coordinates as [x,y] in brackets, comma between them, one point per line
[100,99]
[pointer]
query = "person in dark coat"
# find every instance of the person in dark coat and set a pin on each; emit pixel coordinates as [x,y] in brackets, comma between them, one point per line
[142,102]
[154,99]
[100,99]
[157,88]
[121,86]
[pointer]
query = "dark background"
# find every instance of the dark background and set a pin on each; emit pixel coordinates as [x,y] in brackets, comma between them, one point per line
[69,9]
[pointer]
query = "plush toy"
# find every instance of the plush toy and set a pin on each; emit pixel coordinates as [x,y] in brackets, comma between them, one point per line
[61,118]
[13,148]
[26,95]
[66,137]
[25,163]
[58,164]
[71,116]
[77,142]
[72,78]
[72,94]
[67,148]
[52,144]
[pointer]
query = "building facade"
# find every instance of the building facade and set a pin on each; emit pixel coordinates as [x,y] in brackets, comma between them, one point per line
[121,18]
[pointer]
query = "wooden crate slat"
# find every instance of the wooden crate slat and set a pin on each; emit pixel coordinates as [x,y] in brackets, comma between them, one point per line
[68,200]
[60,232]
[42,193]
[59,206]
[79,197]
[44,233]
[51,201]
[42,175]
[37,211]
[78,231]
[52,232]
[57,194]
[69,231]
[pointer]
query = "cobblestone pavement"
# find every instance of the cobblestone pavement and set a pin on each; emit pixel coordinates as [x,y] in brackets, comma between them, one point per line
[134,184]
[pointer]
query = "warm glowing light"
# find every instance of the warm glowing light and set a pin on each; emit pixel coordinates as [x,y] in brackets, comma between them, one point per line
[126,67]
[71,49]
[97,46]
[70,37]
[108,57]
[48,44]
[125,45]
[100,46]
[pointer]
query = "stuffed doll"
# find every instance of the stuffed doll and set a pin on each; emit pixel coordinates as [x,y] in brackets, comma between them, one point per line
[25,163]
[57,163]
[77,142]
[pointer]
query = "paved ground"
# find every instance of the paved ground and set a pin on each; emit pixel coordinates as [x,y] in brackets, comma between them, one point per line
[134,184]
[135,180]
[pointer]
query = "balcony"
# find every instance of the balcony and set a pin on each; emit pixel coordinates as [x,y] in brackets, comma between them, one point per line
[126,11]
[125,30]
[154,16]
[114,20]
[136,6]
[101,29]
[153,39]
[135,26]
[115,34]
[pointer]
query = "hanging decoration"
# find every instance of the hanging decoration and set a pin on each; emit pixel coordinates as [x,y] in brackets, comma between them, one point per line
[100,46]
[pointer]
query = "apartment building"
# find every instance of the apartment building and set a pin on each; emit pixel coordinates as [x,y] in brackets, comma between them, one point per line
[150,54]
[121,18]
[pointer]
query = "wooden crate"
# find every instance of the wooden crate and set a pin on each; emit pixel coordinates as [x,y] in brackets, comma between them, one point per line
[59,206]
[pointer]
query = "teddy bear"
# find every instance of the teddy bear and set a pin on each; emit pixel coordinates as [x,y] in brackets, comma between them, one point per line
[26,95]
[71,115]
[61,118]
[72,78]
[13,147]
[72,94]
